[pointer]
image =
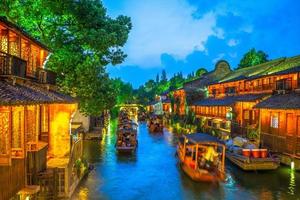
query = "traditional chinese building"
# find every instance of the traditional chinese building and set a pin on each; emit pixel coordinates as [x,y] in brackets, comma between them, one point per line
[166,102]
[197,89]
[37,149]
[264,98]
[180,105]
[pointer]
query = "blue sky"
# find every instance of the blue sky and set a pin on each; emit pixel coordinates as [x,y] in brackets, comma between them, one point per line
[184,35]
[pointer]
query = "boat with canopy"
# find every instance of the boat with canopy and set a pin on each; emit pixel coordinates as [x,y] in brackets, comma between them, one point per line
[202,157]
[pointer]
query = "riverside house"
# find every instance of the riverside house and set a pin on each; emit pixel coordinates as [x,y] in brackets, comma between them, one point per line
[260,99]
[38,146]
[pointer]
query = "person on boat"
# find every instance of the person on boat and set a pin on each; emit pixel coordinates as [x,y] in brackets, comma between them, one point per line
[210,156]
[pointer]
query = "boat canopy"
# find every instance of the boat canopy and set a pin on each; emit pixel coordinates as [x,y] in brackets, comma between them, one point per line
[202,138]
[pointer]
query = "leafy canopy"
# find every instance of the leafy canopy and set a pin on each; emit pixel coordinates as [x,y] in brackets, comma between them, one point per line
[201,71]
[83,40]
[252,58]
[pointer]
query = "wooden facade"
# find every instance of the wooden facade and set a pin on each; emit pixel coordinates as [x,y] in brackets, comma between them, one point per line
[265,98]
[280,130]
[179,101]
[35,119]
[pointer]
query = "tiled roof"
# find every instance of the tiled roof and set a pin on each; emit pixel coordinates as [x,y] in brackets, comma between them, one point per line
[229,100]
[29,94]
[281,101]
[274,67]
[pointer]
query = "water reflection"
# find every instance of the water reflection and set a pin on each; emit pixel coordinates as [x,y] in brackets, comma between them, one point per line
[292,184]
[153,173]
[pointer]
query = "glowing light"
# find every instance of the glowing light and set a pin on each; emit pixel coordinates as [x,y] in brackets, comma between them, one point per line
[292,165]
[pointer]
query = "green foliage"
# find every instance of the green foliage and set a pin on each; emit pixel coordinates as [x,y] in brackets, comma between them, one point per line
[201,71]
[83,40]
[176,81]
[164,76]
[252,133]
[252,58]
[124,91]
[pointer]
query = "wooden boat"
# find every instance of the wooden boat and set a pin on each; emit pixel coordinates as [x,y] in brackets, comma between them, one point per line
[126,140]
[253,164]
[155,125]
[202,157]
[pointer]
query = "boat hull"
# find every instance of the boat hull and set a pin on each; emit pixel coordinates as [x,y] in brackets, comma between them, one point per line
[200,177]
[253,165]
[126,149]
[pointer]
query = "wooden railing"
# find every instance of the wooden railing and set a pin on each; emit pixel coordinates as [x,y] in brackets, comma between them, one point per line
[12,65]
[75,154]
[279,143]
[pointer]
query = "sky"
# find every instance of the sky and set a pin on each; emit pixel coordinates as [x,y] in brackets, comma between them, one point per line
[184,35]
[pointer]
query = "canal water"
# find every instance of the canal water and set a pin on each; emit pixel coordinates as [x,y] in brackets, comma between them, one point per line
[153,173]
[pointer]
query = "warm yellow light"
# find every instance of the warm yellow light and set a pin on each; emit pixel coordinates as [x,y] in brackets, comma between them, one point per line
[59,137]
[292,165]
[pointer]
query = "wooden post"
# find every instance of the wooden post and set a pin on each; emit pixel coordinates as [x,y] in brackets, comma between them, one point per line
[223,159]
[184,148]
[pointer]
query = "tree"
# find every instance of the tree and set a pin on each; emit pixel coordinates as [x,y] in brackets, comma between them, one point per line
[157,78]
[83,40]
[124,91]
[201,71]
[164,76]
[253,57]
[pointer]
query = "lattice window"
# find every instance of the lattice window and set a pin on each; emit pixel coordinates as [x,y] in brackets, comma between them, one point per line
[274,120]
[31,125]
[17,129]
[4,41]
[25,50]
[44,118]
[34,59]
[4,133]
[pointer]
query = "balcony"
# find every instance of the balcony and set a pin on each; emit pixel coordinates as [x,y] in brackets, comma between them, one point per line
[12,66]
[284,84]
[46,77]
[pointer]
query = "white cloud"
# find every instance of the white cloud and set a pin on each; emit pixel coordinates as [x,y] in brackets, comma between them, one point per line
[166,27]
[232,42]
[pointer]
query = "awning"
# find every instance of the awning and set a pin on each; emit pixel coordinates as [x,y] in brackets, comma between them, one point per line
[17,94]
[281,101]
[229,100]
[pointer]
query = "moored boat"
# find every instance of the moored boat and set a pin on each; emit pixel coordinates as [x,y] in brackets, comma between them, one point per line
[126,140]
[126,134]
[252,159]
[202,157]
[155,124]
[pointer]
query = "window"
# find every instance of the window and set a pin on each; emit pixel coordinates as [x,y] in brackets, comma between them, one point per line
[44,118]
[284,84]
[246,114]
[17,128]
[214,92]
[4,133]
[230,90]
[31,117]
[290,124]
[274,120]
[209,123]
[4,40]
